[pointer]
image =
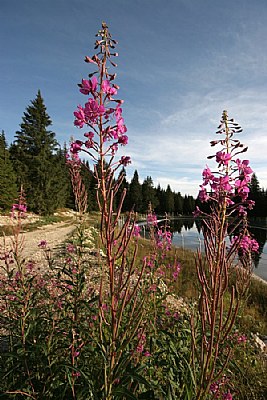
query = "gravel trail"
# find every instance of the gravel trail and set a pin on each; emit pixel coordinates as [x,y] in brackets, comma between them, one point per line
[53,234]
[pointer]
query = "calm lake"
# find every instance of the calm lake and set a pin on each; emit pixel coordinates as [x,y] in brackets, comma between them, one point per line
[187,234]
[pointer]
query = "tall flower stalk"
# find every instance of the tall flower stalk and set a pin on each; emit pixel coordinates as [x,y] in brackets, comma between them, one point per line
[121,303]
[226,193]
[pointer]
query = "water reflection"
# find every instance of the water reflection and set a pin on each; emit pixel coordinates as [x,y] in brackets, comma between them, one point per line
[187,234]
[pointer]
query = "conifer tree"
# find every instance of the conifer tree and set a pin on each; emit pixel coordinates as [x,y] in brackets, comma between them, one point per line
[8,187]
[257,194]
[36,160]
[178,203]
[90,183]
[124,186]
[62,186]
[135,193]
[189,205]
[148,194]
[160,195]
[169,200]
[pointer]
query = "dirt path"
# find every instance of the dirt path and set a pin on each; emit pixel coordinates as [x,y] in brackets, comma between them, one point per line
[53,234]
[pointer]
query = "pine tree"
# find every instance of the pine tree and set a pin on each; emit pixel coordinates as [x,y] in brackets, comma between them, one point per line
[62,186]
[169,200]
[257,194]
[8,187]
[135,193]
[178,203]
[124,186]
[36,159]
[160,196]
[90,183]
[189,205]
[148,194]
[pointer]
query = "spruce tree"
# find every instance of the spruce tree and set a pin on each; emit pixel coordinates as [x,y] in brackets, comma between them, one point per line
[148,194]
[178,203]
[169,200]
[90,183]
[8,187]
[124,186]
[36,160]
[160,196]
[257,194]
[135,193]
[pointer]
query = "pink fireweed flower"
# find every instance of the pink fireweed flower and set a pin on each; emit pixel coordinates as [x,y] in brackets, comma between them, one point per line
[203,195]
[247,244]
[79,117]
[241,210]
[89,135]
[176,270]
[125,160]
[93,111]
[149,262]
[76,374]
[152,219]
[197,212]
[140,348]
[227,396]
[241,339]
[136,230]
[71,248]
[114,148]
[121,128]
[207,175]
[242,187]
[147,354]
[88,86]
[123,140]
[244,167]
[167,312]
[118,112]
[89,144]
[21,209]
[73,159]
[109,90]
[76,146]
[214,387]
[221,184]
[250,204]
[42,244]
[164,240]
[223,158]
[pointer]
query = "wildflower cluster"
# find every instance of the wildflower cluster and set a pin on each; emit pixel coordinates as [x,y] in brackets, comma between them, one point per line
[231,181]
[21,209]
[226,192]
[102,113]
[18,210]
[246,244]
[227,188]
[161,238]
[219,389]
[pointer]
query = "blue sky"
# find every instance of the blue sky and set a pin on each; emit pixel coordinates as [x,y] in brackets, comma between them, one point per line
[181,63]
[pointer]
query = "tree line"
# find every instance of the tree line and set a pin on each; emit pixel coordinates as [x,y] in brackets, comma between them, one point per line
[36,162]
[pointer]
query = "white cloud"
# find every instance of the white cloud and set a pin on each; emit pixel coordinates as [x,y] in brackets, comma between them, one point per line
[178,145]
